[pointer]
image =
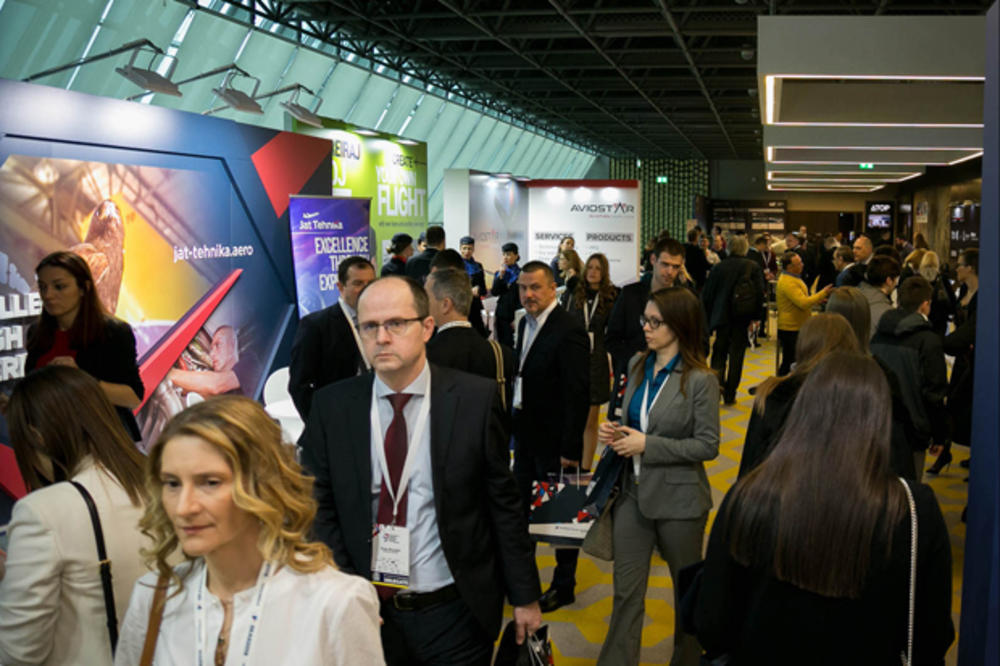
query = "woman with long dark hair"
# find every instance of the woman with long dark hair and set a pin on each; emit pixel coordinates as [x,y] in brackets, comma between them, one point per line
[670,428]
[821,335]
[74,330]
[591,302]
[52,607]
[808,561]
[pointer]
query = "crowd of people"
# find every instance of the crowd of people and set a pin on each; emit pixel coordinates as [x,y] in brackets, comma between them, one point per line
[398,527]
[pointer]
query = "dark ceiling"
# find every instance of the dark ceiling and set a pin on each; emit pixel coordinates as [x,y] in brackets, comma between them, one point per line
[645,78]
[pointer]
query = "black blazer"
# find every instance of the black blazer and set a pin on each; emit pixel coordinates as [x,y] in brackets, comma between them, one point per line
[717,296]
[111,359]
[555,388]
[418,266]
[466,350]
[323,352]
[483,529]
[624,338]
[396,265]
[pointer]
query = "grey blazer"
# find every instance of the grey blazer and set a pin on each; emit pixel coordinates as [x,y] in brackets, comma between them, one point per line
[682,433]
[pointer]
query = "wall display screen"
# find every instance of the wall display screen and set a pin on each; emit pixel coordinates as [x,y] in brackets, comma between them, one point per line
[879,219]
[749,216]
[182,220]
[964,222]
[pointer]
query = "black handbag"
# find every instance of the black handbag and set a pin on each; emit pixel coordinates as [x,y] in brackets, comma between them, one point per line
[105,565]
[536,650]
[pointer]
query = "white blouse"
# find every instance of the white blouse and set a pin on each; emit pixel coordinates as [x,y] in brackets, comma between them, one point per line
[327,617]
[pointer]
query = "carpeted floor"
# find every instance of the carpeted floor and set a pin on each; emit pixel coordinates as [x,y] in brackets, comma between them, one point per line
[578,630]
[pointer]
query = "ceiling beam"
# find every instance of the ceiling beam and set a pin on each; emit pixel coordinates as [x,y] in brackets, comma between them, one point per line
[486,30]
[682,45]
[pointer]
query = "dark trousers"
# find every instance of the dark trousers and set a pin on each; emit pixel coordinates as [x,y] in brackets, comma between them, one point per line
[443,635]
[787,339]
[504,331]
[730,343]
[528,468]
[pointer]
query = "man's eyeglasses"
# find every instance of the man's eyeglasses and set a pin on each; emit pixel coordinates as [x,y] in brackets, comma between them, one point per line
[653,322]
[369,329]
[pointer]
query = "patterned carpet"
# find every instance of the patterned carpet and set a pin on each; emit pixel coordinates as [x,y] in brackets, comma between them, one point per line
[578,630]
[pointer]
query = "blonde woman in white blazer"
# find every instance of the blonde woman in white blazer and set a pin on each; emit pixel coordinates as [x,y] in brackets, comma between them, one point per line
[52,604]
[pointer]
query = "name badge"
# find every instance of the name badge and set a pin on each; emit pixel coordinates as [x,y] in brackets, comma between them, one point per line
[517,392]
[391,556]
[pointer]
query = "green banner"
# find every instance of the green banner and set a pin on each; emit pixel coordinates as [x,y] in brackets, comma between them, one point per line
[390,170]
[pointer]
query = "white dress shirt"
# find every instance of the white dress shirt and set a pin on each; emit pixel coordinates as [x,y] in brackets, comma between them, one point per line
[315,619]
[531,327]
[428,568]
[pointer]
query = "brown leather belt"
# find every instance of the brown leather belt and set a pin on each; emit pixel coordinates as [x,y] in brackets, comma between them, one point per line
[414,601]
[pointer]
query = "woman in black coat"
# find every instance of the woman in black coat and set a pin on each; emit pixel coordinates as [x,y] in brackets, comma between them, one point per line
[808,561]
[74,330]
[591,300]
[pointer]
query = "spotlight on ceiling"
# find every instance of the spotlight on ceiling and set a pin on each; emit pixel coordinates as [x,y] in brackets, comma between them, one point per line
[237,99]
[146,78]
[299,112]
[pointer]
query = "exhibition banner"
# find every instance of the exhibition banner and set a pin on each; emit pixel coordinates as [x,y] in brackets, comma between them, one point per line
[183,225]
[325,231]
[390,171]
[601,216]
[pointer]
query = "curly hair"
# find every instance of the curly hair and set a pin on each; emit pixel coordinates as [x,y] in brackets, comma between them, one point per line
[267,483]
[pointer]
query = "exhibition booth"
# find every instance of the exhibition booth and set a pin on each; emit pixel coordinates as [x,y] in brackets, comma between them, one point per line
[600,215]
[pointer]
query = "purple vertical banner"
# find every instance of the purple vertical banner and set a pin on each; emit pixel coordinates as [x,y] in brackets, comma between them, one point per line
[325,231]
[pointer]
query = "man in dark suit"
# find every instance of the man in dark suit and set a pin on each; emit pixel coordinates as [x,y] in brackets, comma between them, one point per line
[625,336]
[759,253]
[419,265]
[326,347]
[455,344]
[694,258]
[456,509]
[451,259]
[551,402]
[730,327]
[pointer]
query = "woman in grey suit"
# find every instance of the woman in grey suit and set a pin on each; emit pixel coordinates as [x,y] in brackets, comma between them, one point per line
[671,427]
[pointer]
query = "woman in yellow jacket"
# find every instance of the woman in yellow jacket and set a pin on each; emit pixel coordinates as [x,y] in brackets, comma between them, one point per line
[794,306]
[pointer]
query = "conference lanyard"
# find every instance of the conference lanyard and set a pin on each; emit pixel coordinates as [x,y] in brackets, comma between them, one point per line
[255,613]
[646,407]
[412,449]
[357,340]
[588,311]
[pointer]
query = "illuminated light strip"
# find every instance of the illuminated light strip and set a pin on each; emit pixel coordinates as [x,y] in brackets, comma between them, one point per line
[878,77]
[966,159]
[800,123]
[928,148]
[828,188]
[880,163]
[870,181]
[769,97]
[908,173]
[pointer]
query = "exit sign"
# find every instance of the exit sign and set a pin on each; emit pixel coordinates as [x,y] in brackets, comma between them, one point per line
[866,165]
[661,179]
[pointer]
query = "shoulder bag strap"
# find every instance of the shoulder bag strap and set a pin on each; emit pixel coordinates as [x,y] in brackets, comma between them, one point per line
[501,380]
[155,616]
[105,565]
[907,658]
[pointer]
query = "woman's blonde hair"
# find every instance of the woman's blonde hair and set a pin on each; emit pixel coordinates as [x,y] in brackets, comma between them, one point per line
[930,266]
[267,483]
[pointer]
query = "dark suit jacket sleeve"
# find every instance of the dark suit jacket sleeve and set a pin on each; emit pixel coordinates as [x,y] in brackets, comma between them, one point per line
[933,631]
[304,367]
[517,561]
[934,386]
[719,607]
[962,339]
[758,278]
[755,444]
[616,340]
[120,362]
[476,317]
[326,526]
[709,293]
[574,372]
[113,358]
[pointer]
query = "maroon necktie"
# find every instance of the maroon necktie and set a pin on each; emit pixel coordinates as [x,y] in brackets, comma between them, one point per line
[395,457]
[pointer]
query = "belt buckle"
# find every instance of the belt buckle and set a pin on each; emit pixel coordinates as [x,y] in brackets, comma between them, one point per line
[404,601]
